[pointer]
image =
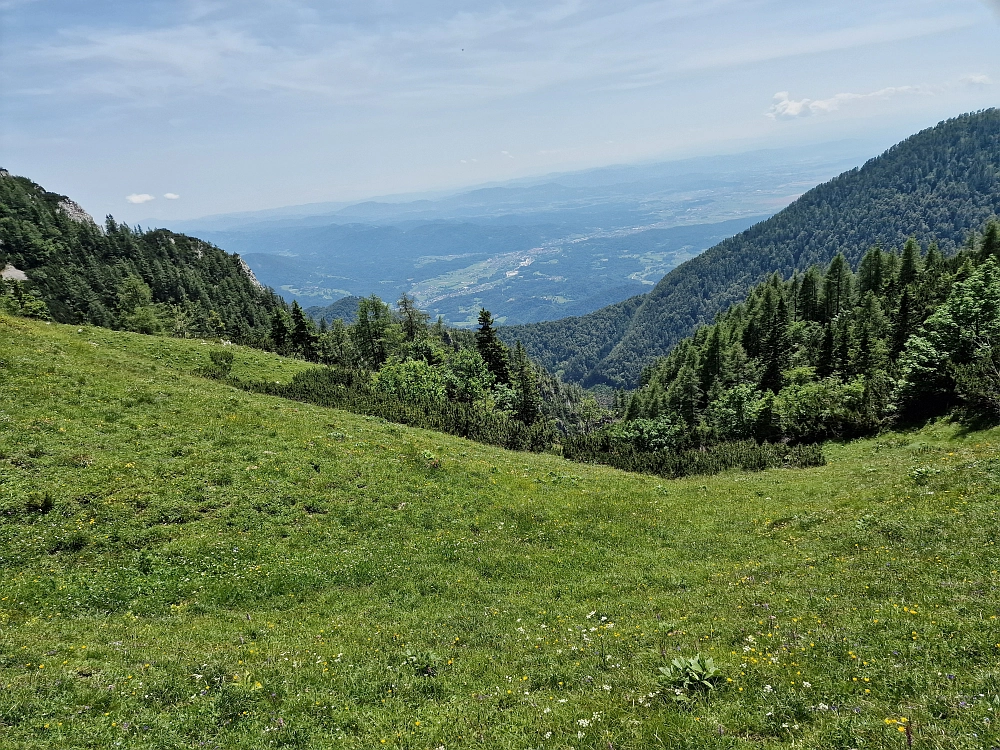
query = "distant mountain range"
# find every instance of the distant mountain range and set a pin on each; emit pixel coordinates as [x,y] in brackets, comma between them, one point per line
[938,185]
[530,250]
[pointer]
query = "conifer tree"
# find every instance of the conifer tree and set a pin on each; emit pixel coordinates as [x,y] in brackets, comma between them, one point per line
[989,247]
[303,334]
[837,287]
[491,349]
[528,401]
[909,267]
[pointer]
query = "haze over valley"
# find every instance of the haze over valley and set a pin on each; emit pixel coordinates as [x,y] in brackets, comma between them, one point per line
[528,250]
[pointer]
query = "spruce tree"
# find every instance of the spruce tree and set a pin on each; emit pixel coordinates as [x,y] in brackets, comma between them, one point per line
[909,267]
[303,335]
[989,247]
[528,400]
[837,287]
[491,349]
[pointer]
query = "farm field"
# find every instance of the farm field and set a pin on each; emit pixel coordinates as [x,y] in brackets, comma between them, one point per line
[183,564]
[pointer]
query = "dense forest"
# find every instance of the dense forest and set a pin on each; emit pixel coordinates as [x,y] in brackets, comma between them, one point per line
[934,186]
[827,354]
[119,277]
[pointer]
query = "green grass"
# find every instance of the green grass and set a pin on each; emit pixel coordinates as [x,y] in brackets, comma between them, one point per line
[188,565]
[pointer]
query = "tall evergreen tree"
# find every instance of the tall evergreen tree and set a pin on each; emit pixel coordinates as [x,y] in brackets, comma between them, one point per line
[837,287]
[909,267]
[989,246]
[528,400]
[303,336]
[809,307]
[490,348]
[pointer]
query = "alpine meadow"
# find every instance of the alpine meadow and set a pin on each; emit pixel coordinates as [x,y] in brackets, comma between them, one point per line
[500,375]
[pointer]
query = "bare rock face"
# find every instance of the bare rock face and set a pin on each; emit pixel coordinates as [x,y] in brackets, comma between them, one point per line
[249,272]
[75,212]
[9,273]
[4,172]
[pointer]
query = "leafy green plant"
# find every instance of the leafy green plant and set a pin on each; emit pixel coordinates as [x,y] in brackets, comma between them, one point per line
[424,663]
[687,678]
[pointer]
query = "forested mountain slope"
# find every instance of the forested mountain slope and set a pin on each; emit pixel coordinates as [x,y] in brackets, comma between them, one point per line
[937,185]
[118,277]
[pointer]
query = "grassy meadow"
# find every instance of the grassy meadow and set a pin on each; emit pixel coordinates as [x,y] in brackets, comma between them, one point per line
[186,565]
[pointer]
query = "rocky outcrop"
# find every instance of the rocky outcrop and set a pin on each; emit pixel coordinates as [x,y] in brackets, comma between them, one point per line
[74,211]
[9,273]
[249,272]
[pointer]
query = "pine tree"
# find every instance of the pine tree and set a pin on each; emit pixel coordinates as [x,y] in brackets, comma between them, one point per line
[414,320]
[711,360]
[903,323]
[280,331]
[989,246]
[837,287]
[809,307]
[303,334]
[825,364]
[774,339]
[491,349]
[370,332]
[871,272]
[528,400]
[909,267]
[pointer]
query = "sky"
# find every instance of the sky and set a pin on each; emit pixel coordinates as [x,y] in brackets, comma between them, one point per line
[168,110]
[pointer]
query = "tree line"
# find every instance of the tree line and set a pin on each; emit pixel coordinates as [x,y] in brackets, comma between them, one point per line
[834,352]
[935,186]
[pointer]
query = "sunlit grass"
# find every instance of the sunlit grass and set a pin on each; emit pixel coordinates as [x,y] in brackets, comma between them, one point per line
[185,564]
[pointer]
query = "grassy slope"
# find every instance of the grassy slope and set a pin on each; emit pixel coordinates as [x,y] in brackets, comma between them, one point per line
[240,571]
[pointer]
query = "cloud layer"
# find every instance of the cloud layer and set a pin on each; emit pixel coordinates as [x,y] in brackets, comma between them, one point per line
[251,103]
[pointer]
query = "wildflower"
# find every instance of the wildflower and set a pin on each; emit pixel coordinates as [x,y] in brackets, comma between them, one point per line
[807,684]
[768,689]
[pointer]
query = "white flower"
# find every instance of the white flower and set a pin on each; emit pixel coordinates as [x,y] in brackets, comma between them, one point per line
[583,722]
[606,687]
[547,711]
[807,684]
[768,689]
[548,734]
[581,735]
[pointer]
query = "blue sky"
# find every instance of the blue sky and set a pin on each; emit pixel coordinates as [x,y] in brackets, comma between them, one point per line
[208,106]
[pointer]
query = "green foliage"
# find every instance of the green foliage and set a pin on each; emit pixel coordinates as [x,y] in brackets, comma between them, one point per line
[940,183]
[20,298]
[154,282]
[688,678]
[630,455]
[819,356]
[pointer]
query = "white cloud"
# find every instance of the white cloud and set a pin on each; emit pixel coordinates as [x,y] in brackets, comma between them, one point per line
[139,198]
[786,108]
[980,79]
[171,196]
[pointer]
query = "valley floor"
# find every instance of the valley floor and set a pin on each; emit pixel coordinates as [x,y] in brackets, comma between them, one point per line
[188,565]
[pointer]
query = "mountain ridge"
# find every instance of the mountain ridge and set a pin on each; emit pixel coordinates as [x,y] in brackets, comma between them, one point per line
[937,185]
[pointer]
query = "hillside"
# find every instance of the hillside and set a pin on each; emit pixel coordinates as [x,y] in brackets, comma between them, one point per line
[345,309]
[186,564]
[939,185]
[115,276]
